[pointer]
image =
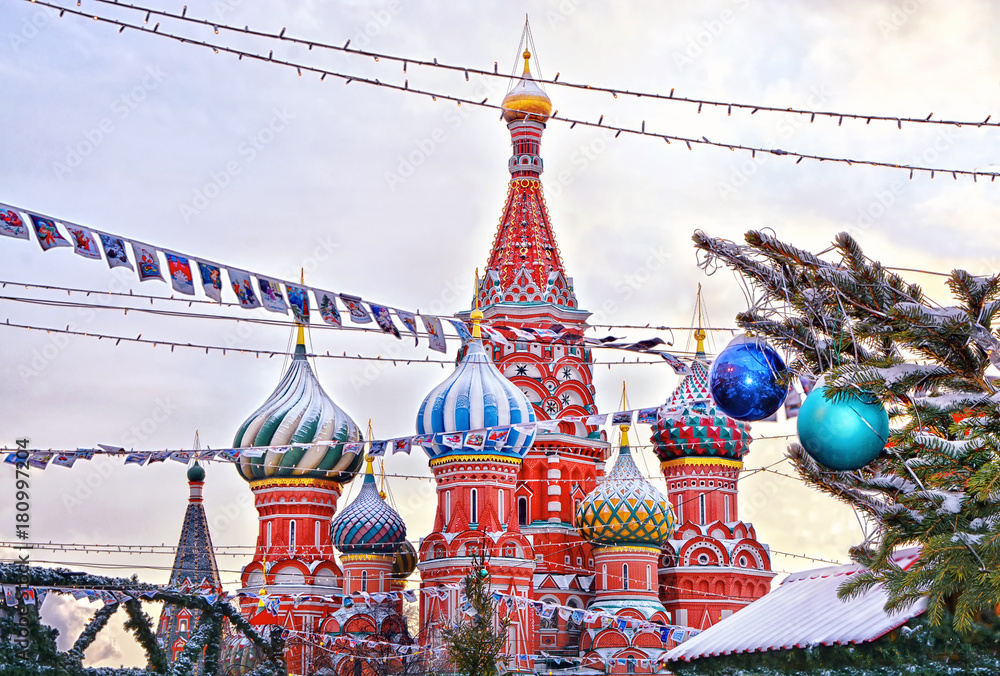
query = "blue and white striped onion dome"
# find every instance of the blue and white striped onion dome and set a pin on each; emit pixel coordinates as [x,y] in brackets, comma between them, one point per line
[475,396]
[368,525]
[299,411]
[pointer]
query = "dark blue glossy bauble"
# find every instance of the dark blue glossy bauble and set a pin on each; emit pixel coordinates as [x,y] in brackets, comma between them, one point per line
[749,380]
[843,434]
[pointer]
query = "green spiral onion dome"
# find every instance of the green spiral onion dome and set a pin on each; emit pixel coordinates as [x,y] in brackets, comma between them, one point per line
[299,411]
[689,425]
[626,509]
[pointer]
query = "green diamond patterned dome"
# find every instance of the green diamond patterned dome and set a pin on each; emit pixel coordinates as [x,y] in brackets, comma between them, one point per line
[626,509]
[690,426]
[299,411]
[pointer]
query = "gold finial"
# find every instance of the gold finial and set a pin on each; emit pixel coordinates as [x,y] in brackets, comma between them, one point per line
[300,338]
[527,57]
[625,429]
[370,459]
[477,315]
[699,333]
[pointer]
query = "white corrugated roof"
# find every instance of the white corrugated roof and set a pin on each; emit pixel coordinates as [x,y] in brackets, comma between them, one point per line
[803,611]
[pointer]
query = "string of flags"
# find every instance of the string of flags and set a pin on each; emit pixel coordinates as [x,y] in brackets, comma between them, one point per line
[472,440]
[280,296]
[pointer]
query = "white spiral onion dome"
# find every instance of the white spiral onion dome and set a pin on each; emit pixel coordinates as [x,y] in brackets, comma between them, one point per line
[299,411]
[476,396]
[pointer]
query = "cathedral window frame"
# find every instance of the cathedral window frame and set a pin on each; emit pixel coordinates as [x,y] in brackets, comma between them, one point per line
[474,506]
[523,514]
[292,528]
[625,577]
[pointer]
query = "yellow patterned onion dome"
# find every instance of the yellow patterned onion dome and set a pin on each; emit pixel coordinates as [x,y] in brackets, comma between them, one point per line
[405,562]
[526,99]
[626,509]
[299,411]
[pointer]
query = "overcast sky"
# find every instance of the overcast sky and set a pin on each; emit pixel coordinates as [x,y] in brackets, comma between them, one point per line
[396,198]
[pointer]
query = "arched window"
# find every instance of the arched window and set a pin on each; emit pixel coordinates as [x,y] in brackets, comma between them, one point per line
[364,580]
[268,533]
[291,534]
[649,578]
[447,507]
[500,510]
[381,580]
[474,506]
[701,509]
[522,511]
[316,532]
[182,624]
[680,509]
[630,665]
[604,577]
[725,502]
[624,576]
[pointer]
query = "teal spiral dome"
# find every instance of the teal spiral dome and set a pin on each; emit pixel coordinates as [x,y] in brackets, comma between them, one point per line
[299,411]
[368,525]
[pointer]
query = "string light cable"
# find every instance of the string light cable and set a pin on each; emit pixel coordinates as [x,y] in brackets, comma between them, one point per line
[754,108]
[668,138]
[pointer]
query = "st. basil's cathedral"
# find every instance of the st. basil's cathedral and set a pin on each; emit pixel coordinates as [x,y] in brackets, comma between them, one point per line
[538,506]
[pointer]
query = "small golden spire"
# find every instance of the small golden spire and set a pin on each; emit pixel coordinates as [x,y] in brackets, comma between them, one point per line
[370,459]
[300,338]
[625,429]
[527,57]
[699,333]
[477,315]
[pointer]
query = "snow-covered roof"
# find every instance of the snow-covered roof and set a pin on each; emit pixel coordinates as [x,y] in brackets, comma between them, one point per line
[803,611]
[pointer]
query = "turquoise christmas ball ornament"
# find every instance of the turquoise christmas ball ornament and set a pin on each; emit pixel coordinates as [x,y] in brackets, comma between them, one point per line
[749,379]
[843,434]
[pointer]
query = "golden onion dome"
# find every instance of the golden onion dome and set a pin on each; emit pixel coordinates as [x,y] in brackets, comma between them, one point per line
[526,99]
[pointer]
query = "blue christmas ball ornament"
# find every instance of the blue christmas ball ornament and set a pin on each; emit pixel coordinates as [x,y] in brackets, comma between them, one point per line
[845,433]
[749,380]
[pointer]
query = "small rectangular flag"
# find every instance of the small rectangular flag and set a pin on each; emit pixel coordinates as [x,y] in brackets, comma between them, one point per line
[40,460]
[679,367]
[11,224]
[548,425]
[647,416]
[793,402]
[84,454]
[114,251]
[253,452]
[211,280]
[10,595]
[158,456]
[377,447]
[475,440]
[435,334]
[422,440]
[409,596]
[243,288]
[622,418]
[462,329]
[270,295]
[47,232]
[384,319]
[597,420]
[206,455]
[498,437]
[524,428]
[359,314]
[136,459]
[410,322]
[453,440]
[522,335]
[327,304]
[354,448]
[64,459]
[807,384]
[230,454]
[298,299]
[28,596]
[182,456]
[11,459]
[147,262]
[84,243]
[179,268]
[401,445]
[495,335]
